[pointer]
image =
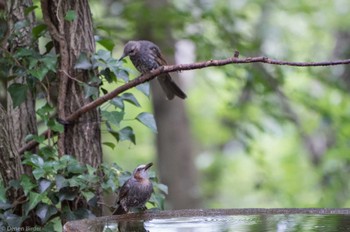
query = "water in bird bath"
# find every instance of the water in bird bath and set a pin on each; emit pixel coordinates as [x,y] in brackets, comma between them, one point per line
[241,223]
[238,220]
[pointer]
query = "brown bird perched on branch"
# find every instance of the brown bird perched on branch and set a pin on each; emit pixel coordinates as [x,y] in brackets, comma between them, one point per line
[146,56]
[136,191]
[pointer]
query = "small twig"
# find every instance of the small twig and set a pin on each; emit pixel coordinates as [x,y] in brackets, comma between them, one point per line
[69,76]
[174,68]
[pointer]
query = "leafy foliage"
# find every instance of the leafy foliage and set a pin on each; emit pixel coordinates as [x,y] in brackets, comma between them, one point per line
[57,183]
[60,188]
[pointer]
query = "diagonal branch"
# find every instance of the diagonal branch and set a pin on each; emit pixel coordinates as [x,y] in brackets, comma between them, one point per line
[173,68]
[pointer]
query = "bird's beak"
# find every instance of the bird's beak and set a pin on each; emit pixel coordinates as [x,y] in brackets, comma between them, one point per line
[122,57]
[148,166]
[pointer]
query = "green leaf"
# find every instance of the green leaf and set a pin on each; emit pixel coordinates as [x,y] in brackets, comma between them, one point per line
[118,102]
[90,90]
[48,152]
[124,75]
[39,72]
[109,185]
[2,193]
[38,138]
[55,126]
[103,55]
[107,43]
[38,173]
[67,194]
[18,93]
[144,88]
[76,168]
[108,75]
[49,46]
[127,133]
[39,30]
[33,160]
[45,111]
[27,10]
[28,138]
[45,211]
[147,119]
[88,195]
[27,184]
[91,170]
[129,97]
[109,144]
[162,187]
[5,206]
[50,61]
[61,182]
[15,184]
[21,24]
[44,184]
[70,15]
[113,117]
[34,199]
[83,62]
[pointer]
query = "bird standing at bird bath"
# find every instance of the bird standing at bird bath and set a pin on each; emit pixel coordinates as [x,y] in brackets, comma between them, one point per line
[136,191]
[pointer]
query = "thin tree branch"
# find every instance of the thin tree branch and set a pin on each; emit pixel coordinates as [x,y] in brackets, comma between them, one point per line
[173,68]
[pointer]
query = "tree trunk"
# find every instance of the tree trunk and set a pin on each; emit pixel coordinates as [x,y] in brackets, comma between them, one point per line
[16,123]
[10,161]
[71,39]
[174,142]
[22,119]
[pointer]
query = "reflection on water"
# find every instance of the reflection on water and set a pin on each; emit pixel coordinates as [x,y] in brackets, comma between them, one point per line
[239,223]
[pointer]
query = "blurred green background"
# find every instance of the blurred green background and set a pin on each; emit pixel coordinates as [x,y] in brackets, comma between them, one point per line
[263,135]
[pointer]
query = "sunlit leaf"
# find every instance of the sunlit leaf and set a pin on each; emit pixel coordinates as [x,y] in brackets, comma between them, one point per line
[38,173]
[127,133]
[29,9]
[147,119]
[118,102]
[109,144]
[44,184]
[129,97]
[107,43]
[144,88]
[113,117]
[70,15]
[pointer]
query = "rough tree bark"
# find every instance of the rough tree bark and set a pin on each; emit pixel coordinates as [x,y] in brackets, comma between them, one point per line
[15,123]
[10,161]
[71,39]
[22,119]
[174,142]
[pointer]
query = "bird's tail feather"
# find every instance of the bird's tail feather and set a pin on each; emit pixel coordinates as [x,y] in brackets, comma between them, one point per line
[170,88]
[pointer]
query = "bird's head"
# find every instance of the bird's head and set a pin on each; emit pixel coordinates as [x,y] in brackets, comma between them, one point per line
[141,171]
[130,49]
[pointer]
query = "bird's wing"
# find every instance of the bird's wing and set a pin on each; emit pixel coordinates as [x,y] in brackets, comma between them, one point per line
[159,57]
[124,190]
